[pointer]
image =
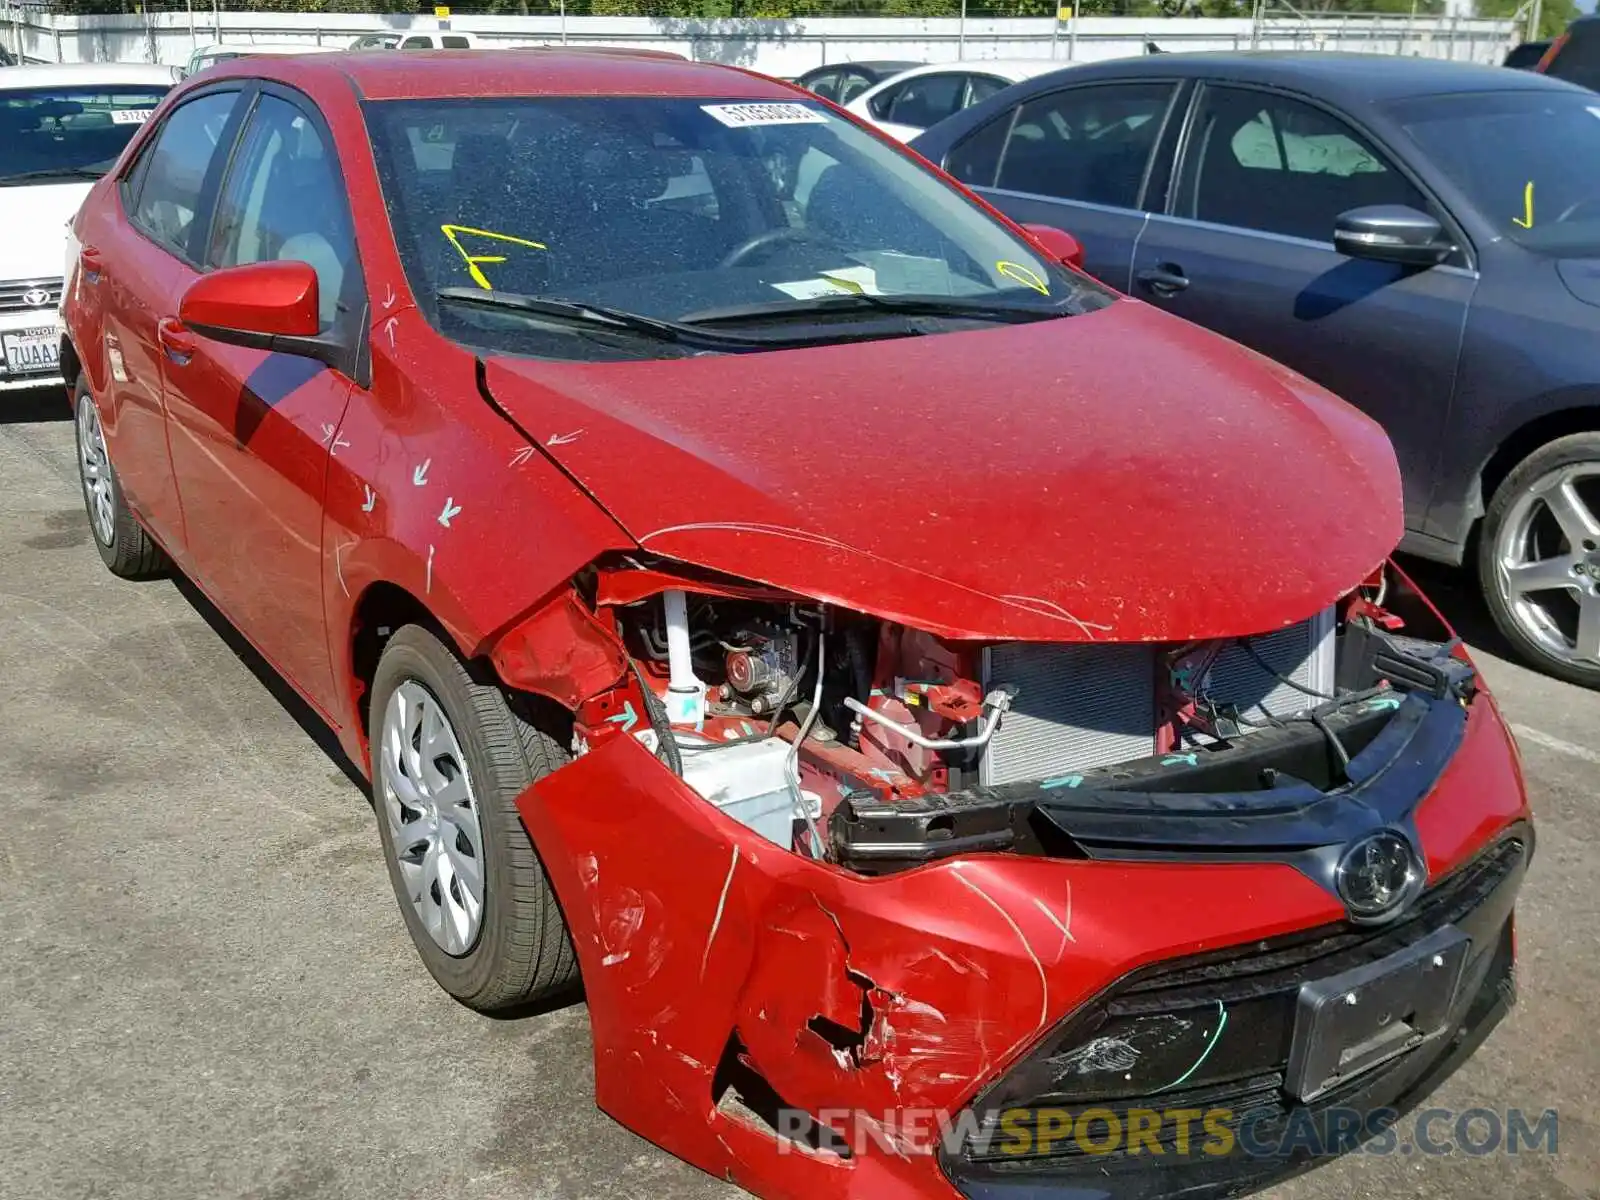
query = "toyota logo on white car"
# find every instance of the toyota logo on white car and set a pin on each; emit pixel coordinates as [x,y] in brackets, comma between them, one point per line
[36,297]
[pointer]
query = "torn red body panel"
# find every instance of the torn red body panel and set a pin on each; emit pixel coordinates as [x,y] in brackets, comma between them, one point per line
[700,940]
[561,651]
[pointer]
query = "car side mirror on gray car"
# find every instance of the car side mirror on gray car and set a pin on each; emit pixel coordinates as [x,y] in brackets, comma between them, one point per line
[1393,233]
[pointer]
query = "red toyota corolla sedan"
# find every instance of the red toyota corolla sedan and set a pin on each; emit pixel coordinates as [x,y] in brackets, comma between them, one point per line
[956,720]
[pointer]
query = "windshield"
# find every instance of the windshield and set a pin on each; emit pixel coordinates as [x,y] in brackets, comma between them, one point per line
[1529,162]
[683,210]
[68,133]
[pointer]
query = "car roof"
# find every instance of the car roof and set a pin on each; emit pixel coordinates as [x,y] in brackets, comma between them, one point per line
[83,75]
[883,64]
[1009,68]
[267,48]
[1344,78]
[532,71]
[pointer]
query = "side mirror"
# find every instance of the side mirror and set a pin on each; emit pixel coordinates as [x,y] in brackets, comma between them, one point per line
[1393,233]
[1058,243]
[266,306]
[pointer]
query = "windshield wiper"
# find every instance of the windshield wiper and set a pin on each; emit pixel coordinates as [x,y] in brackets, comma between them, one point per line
[52,173]
[599,317]
[903,305]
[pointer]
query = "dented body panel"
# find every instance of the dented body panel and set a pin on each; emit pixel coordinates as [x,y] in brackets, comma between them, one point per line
[692,930]
[1036,482]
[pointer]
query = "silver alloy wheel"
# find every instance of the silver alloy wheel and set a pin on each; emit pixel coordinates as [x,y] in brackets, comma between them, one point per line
[95,468]
[432,812]
[1547,564]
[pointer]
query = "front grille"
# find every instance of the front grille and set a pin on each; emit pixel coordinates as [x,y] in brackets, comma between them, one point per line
[24,295]
[1082,706]
[1161,1016]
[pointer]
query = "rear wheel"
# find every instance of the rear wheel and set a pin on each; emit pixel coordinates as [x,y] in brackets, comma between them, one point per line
[450,757]
[123,544]
[1539,558]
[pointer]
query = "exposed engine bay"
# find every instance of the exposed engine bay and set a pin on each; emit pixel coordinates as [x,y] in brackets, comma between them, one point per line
[877,746]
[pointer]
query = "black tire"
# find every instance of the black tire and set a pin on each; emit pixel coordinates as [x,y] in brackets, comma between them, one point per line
[523,952]
[130,552]
[1568,451]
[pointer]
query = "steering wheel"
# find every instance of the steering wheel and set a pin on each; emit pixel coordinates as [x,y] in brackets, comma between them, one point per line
[772,237]
[1577,206]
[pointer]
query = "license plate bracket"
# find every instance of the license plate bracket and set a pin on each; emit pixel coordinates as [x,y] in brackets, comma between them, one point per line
[31,351]
[1347,1024]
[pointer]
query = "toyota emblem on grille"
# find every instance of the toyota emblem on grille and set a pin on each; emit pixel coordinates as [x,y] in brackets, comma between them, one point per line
[36,297]
[1377,875]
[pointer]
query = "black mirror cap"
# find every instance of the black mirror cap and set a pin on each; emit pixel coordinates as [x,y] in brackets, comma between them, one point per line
[1393,233]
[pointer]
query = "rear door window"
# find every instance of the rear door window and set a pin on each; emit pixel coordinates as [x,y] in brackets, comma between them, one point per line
[981,87]
[1090,144]
[851,85]
[173,170]
[825,85]
[922,101]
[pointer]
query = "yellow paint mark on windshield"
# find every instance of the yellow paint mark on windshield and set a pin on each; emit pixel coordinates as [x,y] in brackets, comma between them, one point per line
[1527,204]
[1026,276]
[475,262]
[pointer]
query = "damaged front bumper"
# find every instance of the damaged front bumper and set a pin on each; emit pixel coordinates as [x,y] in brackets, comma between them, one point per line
[733,985]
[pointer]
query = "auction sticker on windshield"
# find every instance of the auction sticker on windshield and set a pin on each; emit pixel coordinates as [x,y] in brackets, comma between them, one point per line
[737,116]
[130,116]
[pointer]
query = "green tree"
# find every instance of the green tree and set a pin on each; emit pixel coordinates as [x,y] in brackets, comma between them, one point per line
[1554,15]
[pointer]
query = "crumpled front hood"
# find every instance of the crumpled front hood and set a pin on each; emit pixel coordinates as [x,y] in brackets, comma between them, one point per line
[1122,475]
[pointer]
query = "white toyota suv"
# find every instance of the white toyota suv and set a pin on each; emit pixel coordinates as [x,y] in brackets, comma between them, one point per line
[61,128]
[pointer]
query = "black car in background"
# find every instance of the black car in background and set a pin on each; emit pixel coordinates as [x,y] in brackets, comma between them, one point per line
[843,82]
[1421,237]
[1575,56]
[1526,57]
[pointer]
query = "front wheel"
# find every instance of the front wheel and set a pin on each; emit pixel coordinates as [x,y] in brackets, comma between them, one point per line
[449,758]
[1539,558]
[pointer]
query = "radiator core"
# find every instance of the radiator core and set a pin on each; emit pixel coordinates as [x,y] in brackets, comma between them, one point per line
[1090,705]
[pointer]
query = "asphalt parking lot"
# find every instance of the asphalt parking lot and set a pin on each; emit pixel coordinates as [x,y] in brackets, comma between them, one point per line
[208,992]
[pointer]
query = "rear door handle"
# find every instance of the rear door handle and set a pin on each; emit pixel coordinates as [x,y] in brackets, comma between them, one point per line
[1164,279]
[177,341]
[90,262]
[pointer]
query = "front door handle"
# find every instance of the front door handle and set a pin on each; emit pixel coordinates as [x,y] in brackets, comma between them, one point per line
[90,263]
[1164,279]
[177,341]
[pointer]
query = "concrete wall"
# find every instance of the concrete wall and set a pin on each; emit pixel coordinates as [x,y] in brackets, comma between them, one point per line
[775,47]
[778,47]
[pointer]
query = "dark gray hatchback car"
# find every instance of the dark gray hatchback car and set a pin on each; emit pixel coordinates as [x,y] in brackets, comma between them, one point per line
[1421,237]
